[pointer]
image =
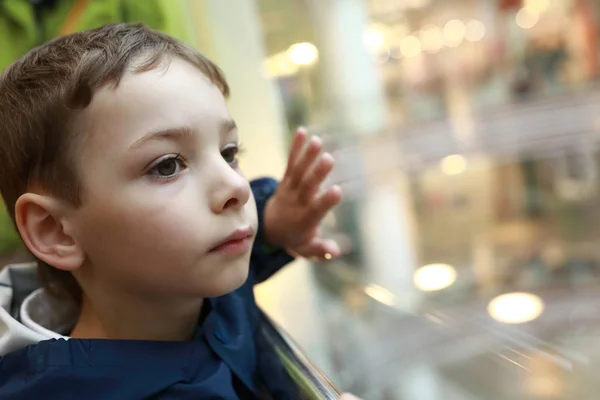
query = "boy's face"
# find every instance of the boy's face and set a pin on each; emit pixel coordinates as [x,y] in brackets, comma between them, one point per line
[162,188]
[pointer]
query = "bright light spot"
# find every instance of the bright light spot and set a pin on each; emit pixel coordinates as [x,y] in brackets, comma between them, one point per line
[279,65]
[328,256]
[431,38]
[475,31]
[516,308]
[303,53]
[375,37]
[380,294]
[411,46]
[454,165]
[454,32]
[527,18]
[537,5]
[434,277]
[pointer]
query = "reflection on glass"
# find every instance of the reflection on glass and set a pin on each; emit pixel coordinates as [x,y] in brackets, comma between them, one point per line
[516,308]
[380,294]
[434,277]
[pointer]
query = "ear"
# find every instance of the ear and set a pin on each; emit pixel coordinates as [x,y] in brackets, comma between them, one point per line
[46,232]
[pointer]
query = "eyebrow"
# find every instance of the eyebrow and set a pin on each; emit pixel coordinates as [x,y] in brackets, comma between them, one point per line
[228,125]
[183,132]
[165,134]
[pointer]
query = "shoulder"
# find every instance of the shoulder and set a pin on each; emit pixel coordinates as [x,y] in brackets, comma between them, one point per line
[17,368]
[95,369]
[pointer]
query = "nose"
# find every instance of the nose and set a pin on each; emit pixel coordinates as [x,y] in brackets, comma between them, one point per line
[229,190]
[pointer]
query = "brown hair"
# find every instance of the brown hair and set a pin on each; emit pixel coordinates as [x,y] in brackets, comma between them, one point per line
[42,93]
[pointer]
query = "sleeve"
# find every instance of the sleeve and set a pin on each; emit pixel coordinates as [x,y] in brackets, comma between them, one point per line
[265,260]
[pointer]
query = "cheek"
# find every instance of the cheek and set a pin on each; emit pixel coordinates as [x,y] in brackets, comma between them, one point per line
[250,211]
[143,232]
[132,232]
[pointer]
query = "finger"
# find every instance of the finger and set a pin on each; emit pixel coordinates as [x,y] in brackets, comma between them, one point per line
[305,160]
[315,177]
[331,249]
[296,148]
[323,204]
[319,249]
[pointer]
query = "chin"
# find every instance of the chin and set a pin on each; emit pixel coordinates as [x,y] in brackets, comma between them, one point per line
[228,281]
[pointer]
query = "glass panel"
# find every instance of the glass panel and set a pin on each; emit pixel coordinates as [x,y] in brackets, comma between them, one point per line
[310,383]
[470,221]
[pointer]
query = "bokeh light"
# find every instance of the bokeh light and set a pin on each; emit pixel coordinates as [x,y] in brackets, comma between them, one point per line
[432,39]
[434,277]
[454,32]
[454,164]
[279,65]
[303,53]
[475,31]
[411,46]
[538,6]
[516,308]
[375,37]
[527,18]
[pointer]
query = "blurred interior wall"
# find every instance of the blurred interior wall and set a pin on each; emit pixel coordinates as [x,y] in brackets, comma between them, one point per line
[351,87]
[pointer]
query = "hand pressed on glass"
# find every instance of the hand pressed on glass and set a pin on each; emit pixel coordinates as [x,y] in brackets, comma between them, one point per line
[292,216]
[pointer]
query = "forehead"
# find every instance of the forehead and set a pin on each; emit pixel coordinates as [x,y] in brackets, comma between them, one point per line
[172,95]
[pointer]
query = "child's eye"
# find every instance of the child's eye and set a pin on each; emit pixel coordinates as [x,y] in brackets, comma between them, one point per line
[230,153]
[168,166]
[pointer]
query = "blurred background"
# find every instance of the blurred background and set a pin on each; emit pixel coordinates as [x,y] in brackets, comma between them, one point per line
[466,135]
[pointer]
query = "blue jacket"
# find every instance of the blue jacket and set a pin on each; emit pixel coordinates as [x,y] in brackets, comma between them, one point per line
[228,359]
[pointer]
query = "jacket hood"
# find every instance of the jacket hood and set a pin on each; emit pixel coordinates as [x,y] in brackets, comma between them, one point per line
[27,314]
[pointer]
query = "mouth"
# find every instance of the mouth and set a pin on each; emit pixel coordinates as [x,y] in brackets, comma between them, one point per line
[239,242]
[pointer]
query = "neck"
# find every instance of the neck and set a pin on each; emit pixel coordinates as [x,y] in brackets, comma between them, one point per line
[125,318]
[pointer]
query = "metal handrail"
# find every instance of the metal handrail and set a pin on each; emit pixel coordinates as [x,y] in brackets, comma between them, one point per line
[312,383]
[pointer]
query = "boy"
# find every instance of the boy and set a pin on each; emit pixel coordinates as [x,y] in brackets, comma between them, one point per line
[120,171]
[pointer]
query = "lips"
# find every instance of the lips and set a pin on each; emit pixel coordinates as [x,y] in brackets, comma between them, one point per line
[239,242]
